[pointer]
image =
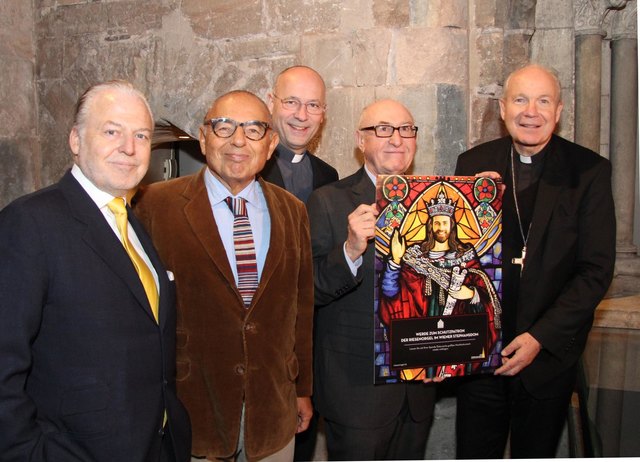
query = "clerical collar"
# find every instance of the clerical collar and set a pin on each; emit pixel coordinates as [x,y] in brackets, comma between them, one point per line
[535,159]
[288,155]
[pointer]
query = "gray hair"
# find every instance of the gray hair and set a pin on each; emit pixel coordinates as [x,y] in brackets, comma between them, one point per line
[84,102]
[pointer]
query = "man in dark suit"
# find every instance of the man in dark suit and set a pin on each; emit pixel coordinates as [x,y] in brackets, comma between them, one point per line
[559,253]
[363,421]
[297,105]
[244,363]
[87,349]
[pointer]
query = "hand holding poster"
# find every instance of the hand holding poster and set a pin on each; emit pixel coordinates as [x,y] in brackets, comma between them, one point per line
[438,279]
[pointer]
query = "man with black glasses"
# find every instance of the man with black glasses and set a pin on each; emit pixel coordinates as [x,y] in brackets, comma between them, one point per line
[297,105]
[363,421]
[240,252]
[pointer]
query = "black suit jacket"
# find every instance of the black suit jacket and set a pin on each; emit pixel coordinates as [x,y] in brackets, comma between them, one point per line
[570,253]
[85,371]
[344,345]
[323,173]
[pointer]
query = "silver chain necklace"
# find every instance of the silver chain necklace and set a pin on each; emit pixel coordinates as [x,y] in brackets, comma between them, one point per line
[519,260]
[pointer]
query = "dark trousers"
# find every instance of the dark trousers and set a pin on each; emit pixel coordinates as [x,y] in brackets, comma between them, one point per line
[162,449]
[491,409]
[401,439]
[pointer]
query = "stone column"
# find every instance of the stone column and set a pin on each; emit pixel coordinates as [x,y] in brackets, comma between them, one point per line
[624,122]
[588,19]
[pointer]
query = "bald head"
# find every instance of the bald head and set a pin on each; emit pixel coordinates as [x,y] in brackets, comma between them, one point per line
[536,70]
[386,155]
[297,105]
[241,143]
[300,73]
[239,97]
[384,109]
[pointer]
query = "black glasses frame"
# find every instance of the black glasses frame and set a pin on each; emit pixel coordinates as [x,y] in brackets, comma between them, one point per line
[378,129]
[236,124]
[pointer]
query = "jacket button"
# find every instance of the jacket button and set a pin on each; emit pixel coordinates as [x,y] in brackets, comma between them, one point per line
[250,327]
[240,369]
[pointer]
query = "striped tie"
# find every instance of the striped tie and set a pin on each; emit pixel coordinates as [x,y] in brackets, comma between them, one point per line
[245,249]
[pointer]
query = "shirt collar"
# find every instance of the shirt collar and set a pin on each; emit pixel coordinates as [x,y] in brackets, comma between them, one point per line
[98,196]
[218,192]
[288,155]
[371,176]
[536,158]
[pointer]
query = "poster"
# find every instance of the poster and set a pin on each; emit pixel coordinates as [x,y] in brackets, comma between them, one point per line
[438,289]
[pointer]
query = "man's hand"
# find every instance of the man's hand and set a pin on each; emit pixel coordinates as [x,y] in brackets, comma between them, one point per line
[494,176]
[524,349]
[361,228]
[398,246]
[489,174]
[305,412]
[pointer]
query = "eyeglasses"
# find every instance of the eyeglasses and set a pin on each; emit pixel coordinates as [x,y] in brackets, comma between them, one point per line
[293,104]
[224,127]
[386,131]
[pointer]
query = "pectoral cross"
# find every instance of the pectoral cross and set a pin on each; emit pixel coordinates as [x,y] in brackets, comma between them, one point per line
[520,260]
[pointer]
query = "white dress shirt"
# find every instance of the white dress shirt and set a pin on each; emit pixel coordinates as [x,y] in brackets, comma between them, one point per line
[101,199]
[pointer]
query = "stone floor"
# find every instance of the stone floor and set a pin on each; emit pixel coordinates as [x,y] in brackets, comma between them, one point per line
[441,442]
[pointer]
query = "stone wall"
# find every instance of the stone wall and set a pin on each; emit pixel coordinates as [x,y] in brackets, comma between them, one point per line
[445,59]
[19,147]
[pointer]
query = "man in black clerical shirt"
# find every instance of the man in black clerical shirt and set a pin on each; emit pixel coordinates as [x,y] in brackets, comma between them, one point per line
[297,105]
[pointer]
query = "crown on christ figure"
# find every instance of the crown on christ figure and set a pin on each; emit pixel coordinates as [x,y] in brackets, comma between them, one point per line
[441,204]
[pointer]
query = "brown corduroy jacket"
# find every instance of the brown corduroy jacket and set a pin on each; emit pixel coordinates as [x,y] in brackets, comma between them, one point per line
[227,353]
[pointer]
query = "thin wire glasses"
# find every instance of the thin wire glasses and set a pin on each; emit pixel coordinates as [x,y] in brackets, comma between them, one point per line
[386,131]
[225,127]
[293,104]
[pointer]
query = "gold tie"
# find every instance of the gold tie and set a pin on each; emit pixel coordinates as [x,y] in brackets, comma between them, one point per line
[119,209]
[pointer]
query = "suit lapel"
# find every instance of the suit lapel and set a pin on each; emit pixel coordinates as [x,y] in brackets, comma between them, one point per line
[276,239]
[364,191]
[549,189]
[200,217]
[99,236]
[318,176]
[271,172]
[163,289]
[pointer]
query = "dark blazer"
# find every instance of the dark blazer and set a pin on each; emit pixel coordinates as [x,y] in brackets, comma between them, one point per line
[344,349]
[570,252]
[323,173]
[229,354]
[85,370]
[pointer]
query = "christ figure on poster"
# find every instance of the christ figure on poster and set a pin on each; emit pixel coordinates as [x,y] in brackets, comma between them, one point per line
[439,277]
[435,276]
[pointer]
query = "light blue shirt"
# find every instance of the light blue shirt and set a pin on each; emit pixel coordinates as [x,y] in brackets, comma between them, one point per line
[257,212]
